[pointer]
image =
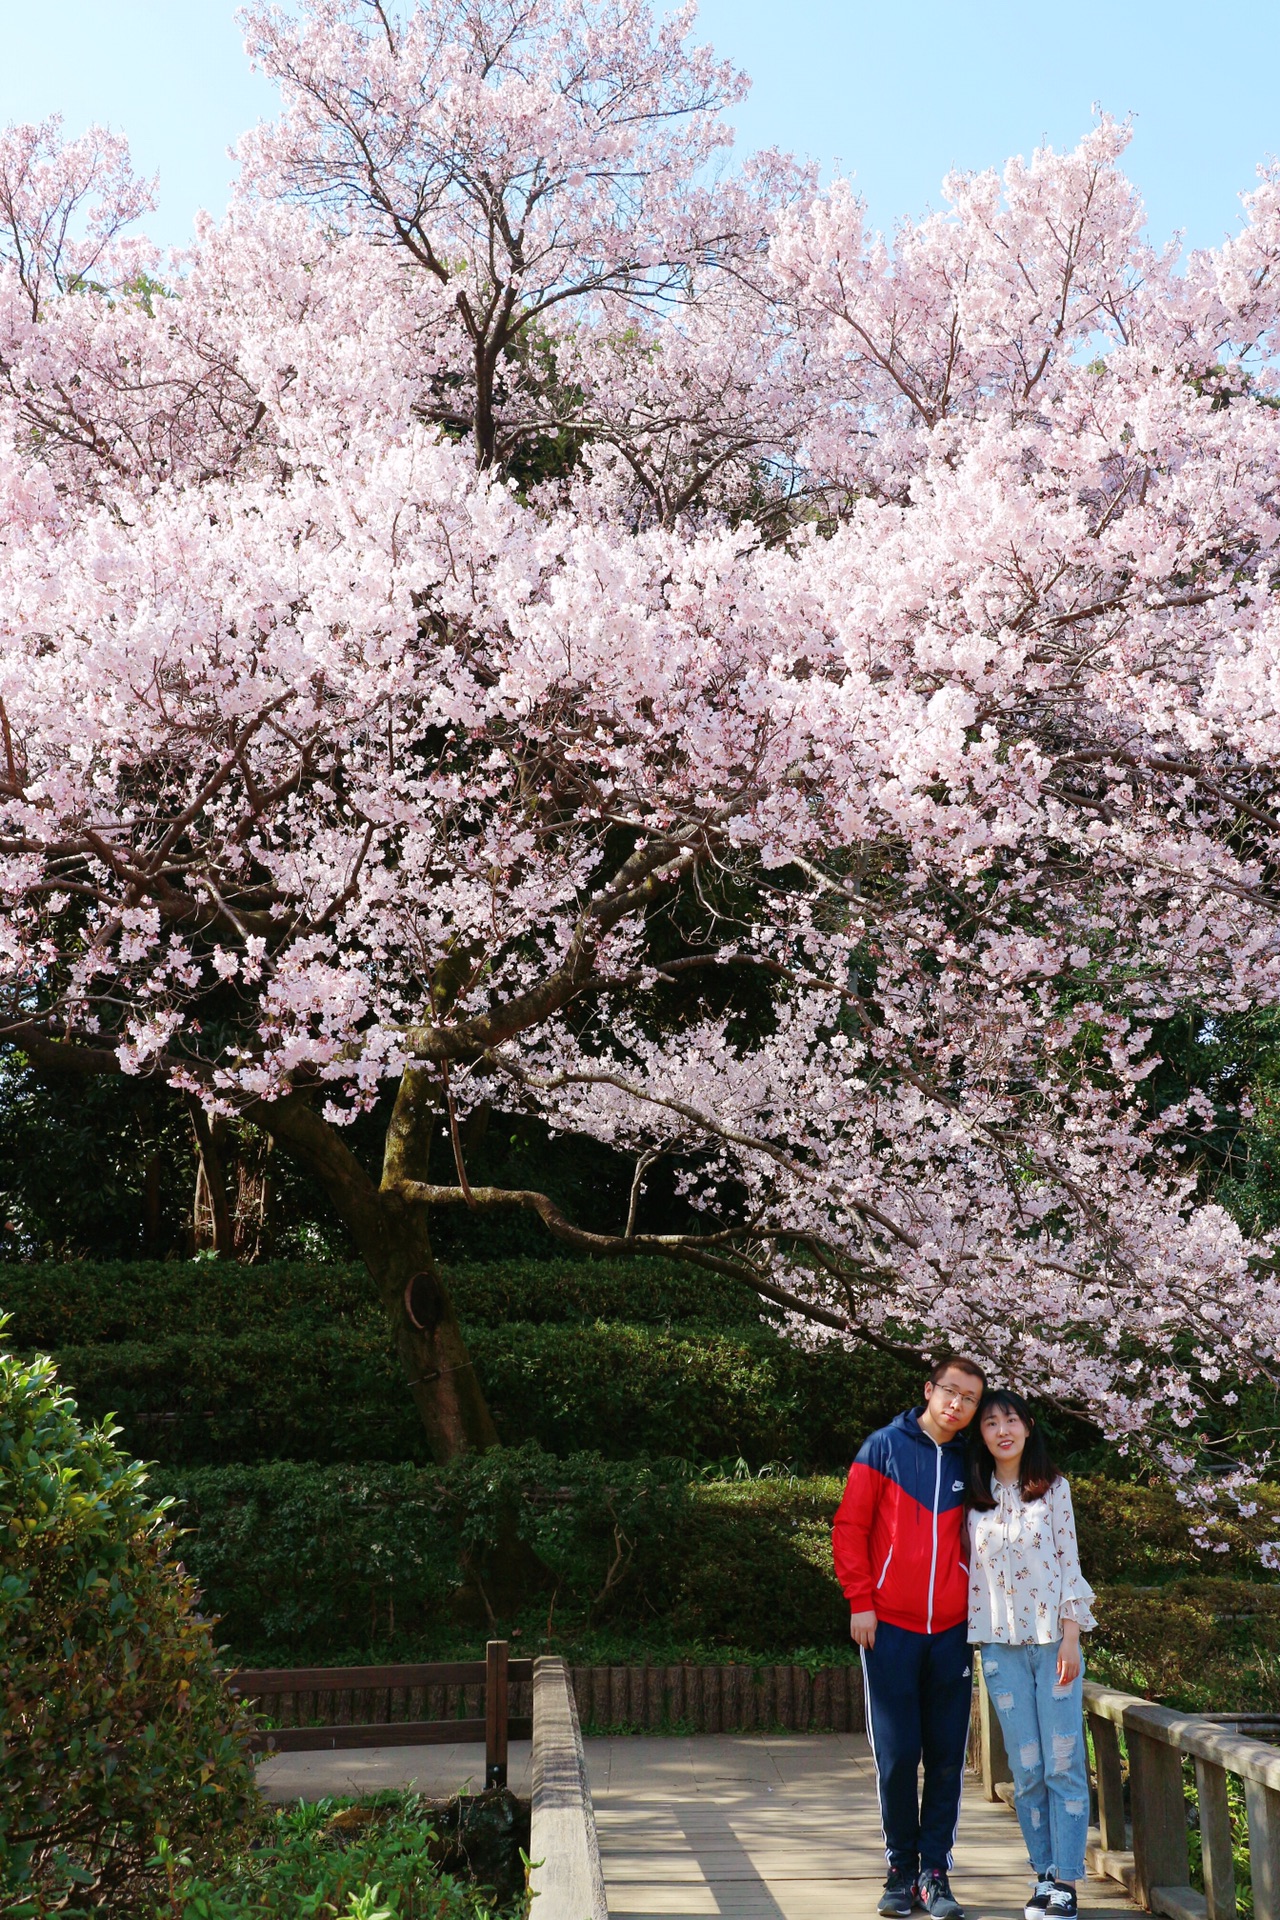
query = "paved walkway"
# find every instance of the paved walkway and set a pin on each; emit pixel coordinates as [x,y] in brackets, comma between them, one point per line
[748,1826]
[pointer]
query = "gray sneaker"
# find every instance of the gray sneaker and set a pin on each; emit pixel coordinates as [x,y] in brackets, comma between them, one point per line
[898,1898]
[935,1895]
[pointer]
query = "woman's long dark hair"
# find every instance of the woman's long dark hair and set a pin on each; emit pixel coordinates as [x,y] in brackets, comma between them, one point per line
[1036,1473]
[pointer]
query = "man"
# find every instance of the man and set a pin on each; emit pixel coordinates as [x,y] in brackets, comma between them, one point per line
[899,1543]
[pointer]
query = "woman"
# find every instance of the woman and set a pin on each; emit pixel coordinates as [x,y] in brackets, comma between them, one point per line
[1028,1603]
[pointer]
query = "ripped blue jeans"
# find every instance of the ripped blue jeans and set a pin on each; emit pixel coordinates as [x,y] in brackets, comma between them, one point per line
[1043,1727]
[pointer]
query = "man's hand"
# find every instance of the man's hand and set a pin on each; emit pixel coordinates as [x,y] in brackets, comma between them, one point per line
[1068,1652]
[862,1628]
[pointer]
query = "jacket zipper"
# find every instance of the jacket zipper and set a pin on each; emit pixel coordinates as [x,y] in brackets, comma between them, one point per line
[884,1569]
[933,1564]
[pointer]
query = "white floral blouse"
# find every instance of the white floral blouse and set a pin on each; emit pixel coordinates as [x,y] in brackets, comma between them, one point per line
[1024,1568]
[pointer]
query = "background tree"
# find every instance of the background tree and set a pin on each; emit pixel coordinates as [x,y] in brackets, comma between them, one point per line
[831,830]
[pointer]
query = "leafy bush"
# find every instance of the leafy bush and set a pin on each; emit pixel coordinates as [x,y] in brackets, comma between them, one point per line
[83,1303]
[337,1393]
[117,1725]
[701,1394]
[371,1861]
[308,1562]
[1208,1645]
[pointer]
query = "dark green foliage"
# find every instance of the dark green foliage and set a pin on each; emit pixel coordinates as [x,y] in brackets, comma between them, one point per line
[206,1362]
[757,1571]
[707,1396]
[1233,1059]
[338,1393]
[338,1857]
[300,1561]
[101,1165]
[320,1393]
[118,1727]
[80,1303]
[324,1563]
[1205,1644]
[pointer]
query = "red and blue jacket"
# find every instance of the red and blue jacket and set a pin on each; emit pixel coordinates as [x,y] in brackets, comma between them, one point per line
[899,1535]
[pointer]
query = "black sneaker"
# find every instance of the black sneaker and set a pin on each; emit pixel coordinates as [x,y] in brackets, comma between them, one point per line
[898,1896]
[1039,1899]
[1061,1904]
[936,1897]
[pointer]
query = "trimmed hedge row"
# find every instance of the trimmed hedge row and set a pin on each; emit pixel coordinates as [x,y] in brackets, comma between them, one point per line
[310,1563]
[331,1393]
[82,1303]
[305,1563]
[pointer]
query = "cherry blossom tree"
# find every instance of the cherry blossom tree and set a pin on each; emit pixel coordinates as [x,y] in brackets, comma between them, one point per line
[828,784]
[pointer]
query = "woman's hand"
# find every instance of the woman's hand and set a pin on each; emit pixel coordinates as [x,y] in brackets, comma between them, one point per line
[1069,1654]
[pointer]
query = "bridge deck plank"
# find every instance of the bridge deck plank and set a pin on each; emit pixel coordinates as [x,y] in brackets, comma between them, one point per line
[723,1827]
[753,1827]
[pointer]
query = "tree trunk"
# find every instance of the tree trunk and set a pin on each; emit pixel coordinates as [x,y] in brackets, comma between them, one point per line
[151,1208]
[212,1221]
[395,1244]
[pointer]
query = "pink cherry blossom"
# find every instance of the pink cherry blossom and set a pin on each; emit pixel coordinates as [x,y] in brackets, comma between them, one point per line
[898,621]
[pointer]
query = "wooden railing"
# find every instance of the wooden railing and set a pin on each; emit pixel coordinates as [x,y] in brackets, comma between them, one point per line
[1145,1847]
[386,1699]
[565,1872]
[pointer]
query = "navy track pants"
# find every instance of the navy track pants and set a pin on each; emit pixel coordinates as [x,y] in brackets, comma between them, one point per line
[919,1688]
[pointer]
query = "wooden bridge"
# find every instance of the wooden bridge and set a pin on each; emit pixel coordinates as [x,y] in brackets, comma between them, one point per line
[785,1826]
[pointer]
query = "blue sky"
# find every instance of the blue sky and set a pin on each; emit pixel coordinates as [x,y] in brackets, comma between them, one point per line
[898,91]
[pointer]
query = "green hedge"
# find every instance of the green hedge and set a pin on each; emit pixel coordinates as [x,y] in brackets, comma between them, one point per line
[311,1563]
[82,1304]
[336,1392]
[324,1563]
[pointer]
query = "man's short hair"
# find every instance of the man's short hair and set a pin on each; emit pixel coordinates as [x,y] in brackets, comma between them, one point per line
[962,1364]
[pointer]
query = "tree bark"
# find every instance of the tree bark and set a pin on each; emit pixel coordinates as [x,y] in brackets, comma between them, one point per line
[394,1242]
[212,1221]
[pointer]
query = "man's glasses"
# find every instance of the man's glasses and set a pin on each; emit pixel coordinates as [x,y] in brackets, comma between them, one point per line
[955,1396]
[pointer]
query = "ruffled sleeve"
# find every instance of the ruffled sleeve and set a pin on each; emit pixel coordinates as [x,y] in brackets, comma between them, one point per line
[1075,1589]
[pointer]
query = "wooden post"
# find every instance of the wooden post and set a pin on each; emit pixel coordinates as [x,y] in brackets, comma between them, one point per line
[495,1714]
[1215,1841]
[994,1759]
[1263,1805]
[1159,1813]
[1110,1781]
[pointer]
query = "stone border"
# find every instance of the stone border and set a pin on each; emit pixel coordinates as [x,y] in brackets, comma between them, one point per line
[565,1874]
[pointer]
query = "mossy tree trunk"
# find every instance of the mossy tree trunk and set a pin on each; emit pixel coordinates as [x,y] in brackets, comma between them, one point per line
[393,1239]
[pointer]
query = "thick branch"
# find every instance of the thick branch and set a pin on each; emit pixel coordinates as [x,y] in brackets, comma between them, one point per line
[694,1249]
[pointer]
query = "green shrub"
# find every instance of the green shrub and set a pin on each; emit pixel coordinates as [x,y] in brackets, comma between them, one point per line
[337,1393]
[117,1725]
[317,1393]
[704,1395]
[81,1303]
[756,1571]
[301,1562]
[319,1563]
[336,1858]
[1207,1645]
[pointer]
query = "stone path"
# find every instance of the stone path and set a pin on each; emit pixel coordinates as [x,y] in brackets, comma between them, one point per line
[748,1826]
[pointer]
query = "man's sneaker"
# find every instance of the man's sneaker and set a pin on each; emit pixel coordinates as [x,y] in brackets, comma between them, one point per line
[1039,1900]
[936,1897]
[1062,1903]
[898,1896]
